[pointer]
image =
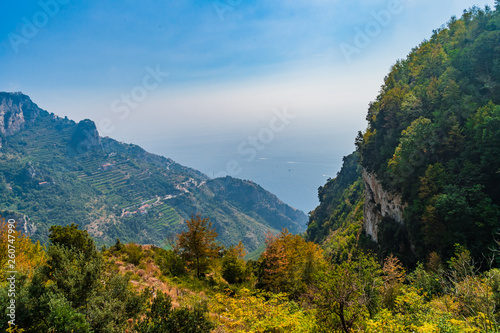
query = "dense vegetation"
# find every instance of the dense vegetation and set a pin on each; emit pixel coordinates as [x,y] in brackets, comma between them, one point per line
[201,286]
[337,222]
[434,136]
[54,171]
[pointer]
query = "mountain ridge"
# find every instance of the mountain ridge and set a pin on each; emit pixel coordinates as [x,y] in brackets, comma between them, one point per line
[53,168]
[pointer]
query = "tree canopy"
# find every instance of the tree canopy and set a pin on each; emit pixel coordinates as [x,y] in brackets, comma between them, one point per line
[198,245]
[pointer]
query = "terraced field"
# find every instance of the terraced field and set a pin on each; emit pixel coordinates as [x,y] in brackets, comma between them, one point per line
[114,178]
[168,217]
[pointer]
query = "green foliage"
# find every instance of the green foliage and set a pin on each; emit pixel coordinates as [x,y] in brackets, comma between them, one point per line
[170,263]
[111,305]
[71,273]
[355,295]
[433,136]
[70,291]
[430,282]
[416,143]
[134,253]
[450,215]
[118,245]
[162,318]
[197,246]
[347,293]
[233,264]
[339,199]
[70,237]
[64,318]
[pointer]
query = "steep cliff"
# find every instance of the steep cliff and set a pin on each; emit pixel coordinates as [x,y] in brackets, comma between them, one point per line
[85,137]
[380,203]
[433,142]
[16,110]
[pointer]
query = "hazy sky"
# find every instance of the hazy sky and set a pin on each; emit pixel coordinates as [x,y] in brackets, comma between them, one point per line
[166,74]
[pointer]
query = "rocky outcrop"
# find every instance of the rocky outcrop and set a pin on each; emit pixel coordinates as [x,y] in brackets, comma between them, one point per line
[85,137]
[380,203]
[23,223]
[16,110]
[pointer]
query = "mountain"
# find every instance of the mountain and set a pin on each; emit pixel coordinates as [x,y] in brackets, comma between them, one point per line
[54,171]
[338,220]
[429,162]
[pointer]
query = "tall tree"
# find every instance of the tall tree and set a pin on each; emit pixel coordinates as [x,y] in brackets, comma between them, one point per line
[346,294]
[289,263]
[198,245]
[233,264]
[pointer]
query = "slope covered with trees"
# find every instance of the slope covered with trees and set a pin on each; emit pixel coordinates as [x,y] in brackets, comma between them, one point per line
[434,136]
[338,220]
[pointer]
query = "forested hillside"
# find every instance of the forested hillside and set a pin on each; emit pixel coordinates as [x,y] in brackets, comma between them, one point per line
[338,220]
[433,141]
[434,137]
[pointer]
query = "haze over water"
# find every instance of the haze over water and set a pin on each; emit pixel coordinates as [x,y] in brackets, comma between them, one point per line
[291,168]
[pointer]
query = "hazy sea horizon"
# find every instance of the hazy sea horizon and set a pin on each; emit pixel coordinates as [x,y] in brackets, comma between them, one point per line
[293,168]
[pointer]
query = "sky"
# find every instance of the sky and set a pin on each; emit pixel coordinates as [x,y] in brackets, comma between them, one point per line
[221,86]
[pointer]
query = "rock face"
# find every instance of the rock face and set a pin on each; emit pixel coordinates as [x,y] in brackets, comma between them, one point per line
[379,204]
[16,110]
[23,222]
[85,137]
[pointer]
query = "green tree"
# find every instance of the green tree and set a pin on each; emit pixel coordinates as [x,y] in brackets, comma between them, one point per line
[233,264]
[347,293]
[170,262]
[134,253]
[72,292]
[198,246]
[71,237]
[416,143]
[74,265]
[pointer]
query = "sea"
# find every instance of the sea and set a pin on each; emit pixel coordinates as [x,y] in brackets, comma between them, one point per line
[292,168]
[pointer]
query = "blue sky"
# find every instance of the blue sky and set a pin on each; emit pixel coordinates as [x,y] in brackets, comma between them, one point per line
[230,63]
[105,45]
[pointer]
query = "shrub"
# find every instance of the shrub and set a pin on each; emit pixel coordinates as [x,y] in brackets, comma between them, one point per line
[134,253]
[162,318]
